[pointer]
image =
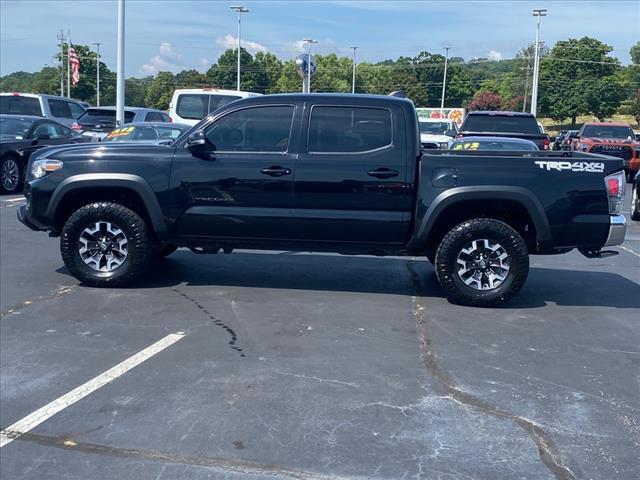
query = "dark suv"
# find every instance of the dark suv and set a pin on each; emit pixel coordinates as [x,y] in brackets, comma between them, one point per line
[505,124]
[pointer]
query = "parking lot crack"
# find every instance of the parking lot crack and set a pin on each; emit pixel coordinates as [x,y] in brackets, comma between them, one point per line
[547,450]
[57,293]
[242,467]
[216,321]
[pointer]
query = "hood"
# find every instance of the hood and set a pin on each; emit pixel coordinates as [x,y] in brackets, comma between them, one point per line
[95,151]
[428,137]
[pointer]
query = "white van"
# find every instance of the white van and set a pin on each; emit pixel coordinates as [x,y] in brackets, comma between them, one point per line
[190,105]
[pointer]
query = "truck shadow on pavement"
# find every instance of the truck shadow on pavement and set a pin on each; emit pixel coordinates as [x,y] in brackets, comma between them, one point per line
[388,275]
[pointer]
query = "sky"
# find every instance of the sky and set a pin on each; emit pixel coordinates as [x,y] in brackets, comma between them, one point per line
[180,34]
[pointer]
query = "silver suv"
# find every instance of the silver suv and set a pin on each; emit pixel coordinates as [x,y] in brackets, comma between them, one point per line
[61,109]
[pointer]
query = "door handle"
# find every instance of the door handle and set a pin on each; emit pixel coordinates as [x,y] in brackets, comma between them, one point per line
[275,171]
[383,173]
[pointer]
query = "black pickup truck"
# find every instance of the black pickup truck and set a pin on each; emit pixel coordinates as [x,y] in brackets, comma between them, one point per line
[322,172]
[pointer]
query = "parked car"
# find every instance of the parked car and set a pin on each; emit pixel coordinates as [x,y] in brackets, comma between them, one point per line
[147,132]
[190,105]
[505,124]
[557,142]
[614,139]
[62,110]
[348,178]
[635,198]
[494,144]
[97,122]
[437,132]
[20,136]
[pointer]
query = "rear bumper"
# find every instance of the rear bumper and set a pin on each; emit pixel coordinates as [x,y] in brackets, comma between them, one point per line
[617,230]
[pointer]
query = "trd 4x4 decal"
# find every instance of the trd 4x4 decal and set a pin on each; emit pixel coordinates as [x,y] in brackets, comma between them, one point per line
[589,167]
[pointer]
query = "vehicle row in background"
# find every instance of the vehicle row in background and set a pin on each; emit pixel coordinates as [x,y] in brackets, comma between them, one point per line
[20,136]
[437,133]
[97,122]
[61,109]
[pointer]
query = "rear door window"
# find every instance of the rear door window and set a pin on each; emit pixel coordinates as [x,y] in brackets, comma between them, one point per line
[501,124]
[19,105]
[49,130]
[192,106]
[219,101]
[60,108]
[76,110]
[154,117]
[349,129]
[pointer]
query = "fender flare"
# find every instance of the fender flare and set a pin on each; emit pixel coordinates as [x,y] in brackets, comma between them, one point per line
[117,180]
[454,195]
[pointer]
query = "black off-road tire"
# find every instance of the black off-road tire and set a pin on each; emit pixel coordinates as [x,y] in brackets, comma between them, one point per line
[132,225]
[451,246]
[163,250]
[635,202]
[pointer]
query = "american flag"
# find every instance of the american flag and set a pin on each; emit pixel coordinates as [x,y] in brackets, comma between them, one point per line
[74,61]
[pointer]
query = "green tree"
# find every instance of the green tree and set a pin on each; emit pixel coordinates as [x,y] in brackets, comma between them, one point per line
[635,53]
[224,73]
[85,89]
[579,77]
[634,107]
[271,66]
[429,70]
[160,91]
[289,79]
[191,79]
[135,90]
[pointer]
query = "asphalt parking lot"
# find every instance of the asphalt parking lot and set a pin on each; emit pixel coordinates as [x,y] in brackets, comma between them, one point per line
[278,365]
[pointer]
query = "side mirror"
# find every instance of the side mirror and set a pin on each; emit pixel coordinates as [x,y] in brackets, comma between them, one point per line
[197,145]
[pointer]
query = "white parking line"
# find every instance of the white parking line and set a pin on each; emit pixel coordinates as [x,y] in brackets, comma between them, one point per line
[630,251]
[34,419]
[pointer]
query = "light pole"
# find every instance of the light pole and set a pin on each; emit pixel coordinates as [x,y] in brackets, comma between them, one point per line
[120,63]
[537,12]
[353,81]
[240,10]
[444,80]
[309,41]
[61,39]
[97,44]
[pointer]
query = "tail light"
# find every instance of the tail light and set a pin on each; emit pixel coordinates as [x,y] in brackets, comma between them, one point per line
[545,144]
[615,191]
[76,126]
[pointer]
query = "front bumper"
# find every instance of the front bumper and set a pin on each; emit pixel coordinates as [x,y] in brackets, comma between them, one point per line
[617,230]
[22,216]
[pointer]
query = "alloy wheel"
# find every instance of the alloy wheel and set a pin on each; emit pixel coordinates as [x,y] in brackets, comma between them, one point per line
[483,264]
[103,246]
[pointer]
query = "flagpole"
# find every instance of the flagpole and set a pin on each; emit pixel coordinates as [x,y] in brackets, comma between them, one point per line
[68,63]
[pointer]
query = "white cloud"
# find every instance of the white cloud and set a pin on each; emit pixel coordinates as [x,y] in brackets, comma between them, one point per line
[205,62]
[494,55]
[229,41]
[166,60]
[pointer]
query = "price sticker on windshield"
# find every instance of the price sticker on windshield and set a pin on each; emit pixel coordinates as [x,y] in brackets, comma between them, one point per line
[120,132]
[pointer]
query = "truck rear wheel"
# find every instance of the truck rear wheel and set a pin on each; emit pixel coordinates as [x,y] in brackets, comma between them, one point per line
[482,262]
[105,244]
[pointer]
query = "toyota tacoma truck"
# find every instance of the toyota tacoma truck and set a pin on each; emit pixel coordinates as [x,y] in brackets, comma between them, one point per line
[322,172]
[614,139]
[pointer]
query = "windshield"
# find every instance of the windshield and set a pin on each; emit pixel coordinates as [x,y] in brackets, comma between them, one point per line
[607,131]
[501,124]
[434,128]
[493,145]
[14,129]
[142,133]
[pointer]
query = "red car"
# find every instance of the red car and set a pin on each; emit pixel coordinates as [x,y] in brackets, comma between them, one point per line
[614,139]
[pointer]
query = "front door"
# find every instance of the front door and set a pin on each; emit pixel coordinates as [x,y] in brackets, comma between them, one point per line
[241,187]
[353,184]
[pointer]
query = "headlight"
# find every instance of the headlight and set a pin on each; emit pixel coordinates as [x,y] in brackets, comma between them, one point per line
[583,146]
[40,168]
[444,145]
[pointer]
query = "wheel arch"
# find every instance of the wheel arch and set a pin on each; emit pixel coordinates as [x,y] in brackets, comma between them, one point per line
[476,201]
[99,187]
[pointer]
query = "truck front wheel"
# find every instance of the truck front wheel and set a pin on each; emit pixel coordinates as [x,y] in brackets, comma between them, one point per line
[105,244]
[482,262]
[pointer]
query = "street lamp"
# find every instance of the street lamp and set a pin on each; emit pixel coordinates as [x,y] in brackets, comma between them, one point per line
[240,10]
[97,44]
[537,12]
[444,80]
[353,81]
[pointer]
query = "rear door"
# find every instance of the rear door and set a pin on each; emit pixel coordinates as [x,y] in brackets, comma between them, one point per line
[352,182]
[242,189]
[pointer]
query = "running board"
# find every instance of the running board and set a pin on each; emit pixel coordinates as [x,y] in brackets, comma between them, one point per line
[597,253]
